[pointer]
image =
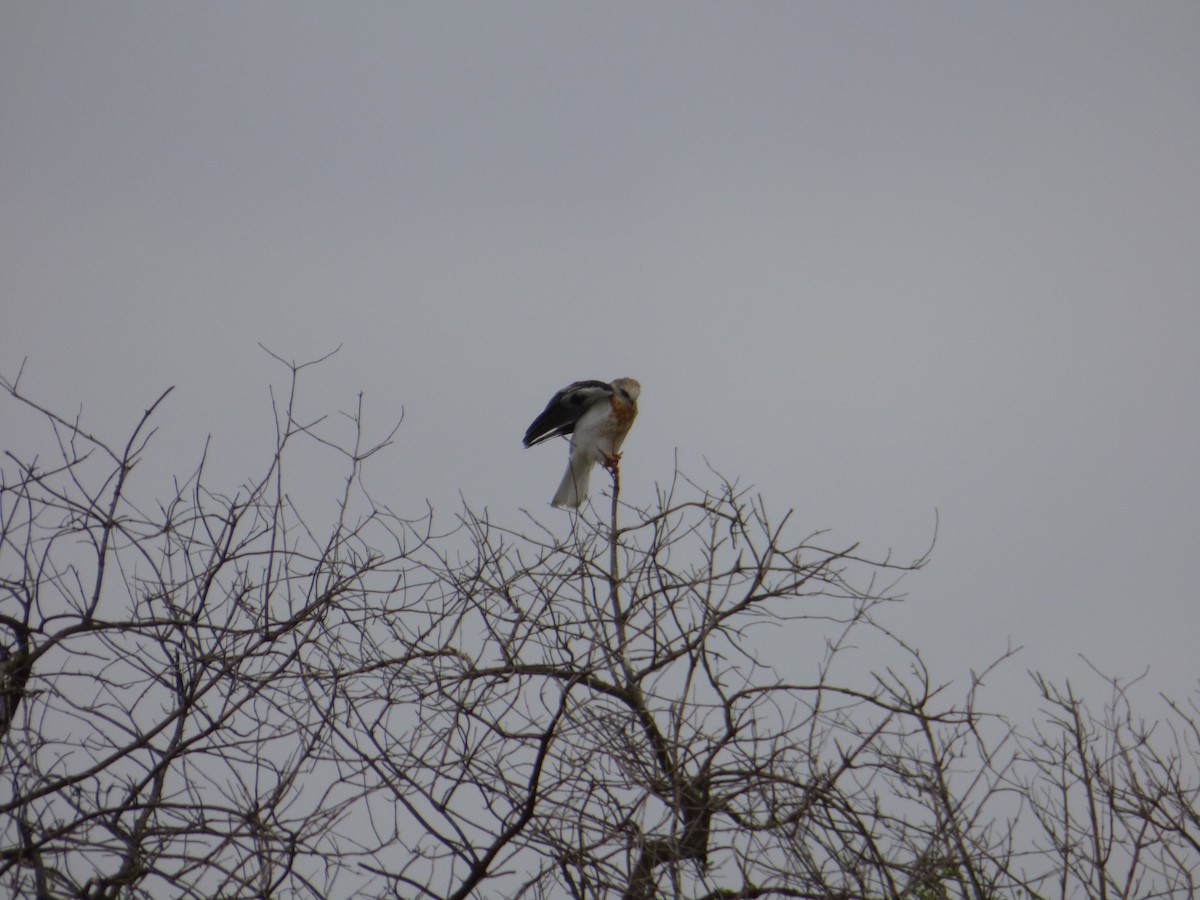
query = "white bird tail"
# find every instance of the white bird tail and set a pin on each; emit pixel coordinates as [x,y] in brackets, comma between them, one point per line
[574,487]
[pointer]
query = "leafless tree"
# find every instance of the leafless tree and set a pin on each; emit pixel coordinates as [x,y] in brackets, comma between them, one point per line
[213,696]
[1115,796]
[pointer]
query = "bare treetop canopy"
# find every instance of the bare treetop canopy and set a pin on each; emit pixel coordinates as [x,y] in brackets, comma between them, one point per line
[205,695]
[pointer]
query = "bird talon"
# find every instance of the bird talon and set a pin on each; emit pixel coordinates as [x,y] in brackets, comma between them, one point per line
[610,461]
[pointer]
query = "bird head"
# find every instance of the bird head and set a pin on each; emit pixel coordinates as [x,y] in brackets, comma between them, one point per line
[627,388]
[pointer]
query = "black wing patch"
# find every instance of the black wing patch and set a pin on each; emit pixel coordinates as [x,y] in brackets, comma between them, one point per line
[564,409]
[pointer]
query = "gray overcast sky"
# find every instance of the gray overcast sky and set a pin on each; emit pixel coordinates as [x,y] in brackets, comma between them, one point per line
[874,259]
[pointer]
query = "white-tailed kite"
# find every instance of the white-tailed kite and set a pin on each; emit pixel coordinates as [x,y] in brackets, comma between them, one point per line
[597,416]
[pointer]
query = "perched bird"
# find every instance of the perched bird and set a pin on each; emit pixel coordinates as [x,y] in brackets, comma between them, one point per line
[597,416]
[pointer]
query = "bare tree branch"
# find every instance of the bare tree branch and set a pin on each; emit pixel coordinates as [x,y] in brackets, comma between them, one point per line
[220,694]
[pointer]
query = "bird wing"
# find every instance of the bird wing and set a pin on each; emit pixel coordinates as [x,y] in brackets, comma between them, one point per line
[564,410]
